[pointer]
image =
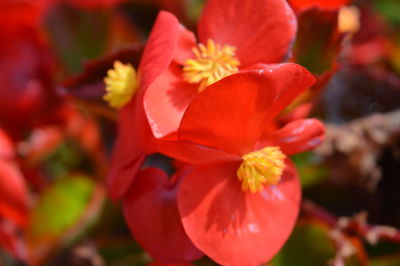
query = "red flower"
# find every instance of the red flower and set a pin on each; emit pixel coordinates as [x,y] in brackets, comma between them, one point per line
[13,191]
[162,87]
[13,200]
[135,139]
[240,208]
[26,85]
[234,36]
[226,213]
[249,99]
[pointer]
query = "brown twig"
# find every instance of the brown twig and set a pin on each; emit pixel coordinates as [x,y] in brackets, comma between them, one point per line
[356,224]
[345,231]
[356,146]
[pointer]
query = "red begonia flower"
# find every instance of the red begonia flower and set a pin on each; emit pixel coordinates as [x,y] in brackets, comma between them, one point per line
[225,221]
[135,139]
[239,34]
[151,211]
[134,135]
[324,4]
[233,227]
[264,93]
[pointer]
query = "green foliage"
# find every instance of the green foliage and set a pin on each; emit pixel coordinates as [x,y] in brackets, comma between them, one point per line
[308,245]
[390,9]
[61,206]
[68,155]
[78,35]
[310,172]
[386,261]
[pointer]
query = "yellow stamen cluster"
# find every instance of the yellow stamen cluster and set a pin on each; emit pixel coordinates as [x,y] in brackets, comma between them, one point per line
[262,167]
[211,63]
[121,84]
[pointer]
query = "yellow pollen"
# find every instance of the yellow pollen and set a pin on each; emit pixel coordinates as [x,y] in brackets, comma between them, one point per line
[121,84]
[262,167]
[211,63]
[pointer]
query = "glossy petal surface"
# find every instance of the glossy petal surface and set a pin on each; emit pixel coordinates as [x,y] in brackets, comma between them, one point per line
[231,114]
[262,31]
[233,227]
[165,101]
[160,48]
[129,151]
[300,135]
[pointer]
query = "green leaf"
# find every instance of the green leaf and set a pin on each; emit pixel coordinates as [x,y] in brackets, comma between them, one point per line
[386,261]
[309,168]
[390,9]
[77,35]
[61,206]
[308,245]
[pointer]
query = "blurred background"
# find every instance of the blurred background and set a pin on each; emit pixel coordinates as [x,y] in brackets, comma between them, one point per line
[57,133]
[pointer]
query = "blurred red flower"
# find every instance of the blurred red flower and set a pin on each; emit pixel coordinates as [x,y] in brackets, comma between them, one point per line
[26,82]
[26,64]
[13,199]
[22,12]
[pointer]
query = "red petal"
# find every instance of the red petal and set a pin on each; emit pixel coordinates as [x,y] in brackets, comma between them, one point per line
[300,112]
[262,31]
[168,40]
[121,176]
[233,227]
[160,48]
[186,42]
[133,143]
[193,153]
[151,212]
[166,99]
[11,240]
[300,135]
[13,194]
[6,146]
[231,114]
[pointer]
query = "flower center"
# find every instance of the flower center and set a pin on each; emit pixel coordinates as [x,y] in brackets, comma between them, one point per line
[212,63]
[262,167]
[121,84]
